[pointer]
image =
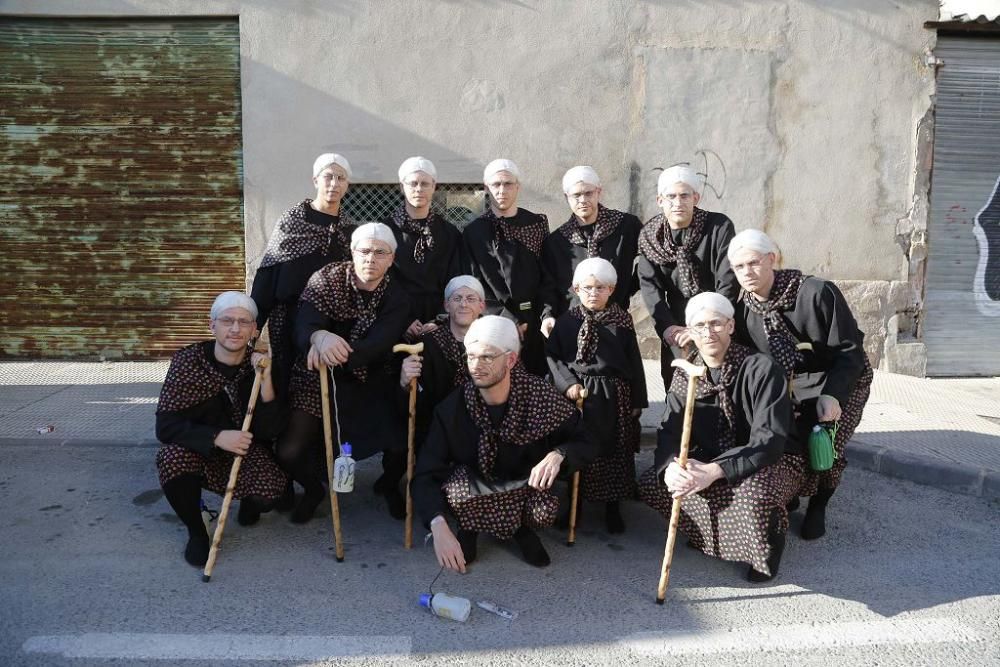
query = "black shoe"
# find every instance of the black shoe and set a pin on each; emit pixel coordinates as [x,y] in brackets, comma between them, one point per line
[307,505]
[814,525]
[250,509]
[286,502]
[196,551]
[792,505]
[613,518]
[468,540]
[531,547]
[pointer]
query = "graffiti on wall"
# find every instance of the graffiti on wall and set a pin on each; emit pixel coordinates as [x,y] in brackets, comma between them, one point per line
[986,227]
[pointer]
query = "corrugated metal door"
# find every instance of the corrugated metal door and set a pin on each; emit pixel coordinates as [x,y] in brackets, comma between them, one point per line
[121,213]
[962,309]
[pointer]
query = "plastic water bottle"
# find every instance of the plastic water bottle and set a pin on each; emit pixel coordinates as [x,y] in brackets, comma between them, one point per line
[343,470]
[446,606]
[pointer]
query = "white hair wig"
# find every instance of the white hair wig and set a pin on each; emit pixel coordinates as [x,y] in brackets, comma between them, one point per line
[228,300]
[710,301]
[496,331]
[373,230]
[598,267]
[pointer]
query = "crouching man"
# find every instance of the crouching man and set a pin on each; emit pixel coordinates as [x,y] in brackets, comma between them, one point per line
[199,420]
[743,466]
[494,449]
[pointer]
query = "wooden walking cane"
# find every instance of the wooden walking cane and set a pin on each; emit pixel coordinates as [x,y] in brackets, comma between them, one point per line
[324,386]
[234,473]
[575,493]
[411,454]
[693,373]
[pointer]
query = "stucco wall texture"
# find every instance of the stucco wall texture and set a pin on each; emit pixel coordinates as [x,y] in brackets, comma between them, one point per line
[807,114]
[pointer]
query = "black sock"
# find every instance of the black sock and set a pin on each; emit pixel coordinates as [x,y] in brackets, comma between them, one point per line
[792,505]
[531,547]
[468,540]
[393,471]
[613,518]
[184,495]
[287,500]
[814,523]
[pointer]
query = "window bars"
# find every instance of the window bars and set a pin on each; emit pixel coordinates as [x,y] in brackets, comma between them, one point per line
[458,203]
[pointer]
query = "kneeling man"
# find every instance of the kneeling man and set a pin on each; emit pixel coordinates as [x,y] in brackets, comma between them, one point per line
[494,449]
[199,420]
[743,466]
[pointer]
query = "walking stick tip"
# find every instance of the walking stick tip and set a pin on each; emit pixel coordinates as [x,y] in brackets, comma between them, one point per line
[659,600]
[205,578]
[569,544]
[340,559]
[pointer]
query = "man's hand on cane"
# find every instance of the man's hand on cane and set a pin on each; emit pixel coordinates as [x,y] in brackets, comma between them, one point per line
[236,442]
[328,348]
[412,366]
[697,477]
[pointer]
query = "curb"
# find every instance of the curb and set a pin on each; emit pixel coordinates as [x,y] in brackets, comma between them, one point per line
[76,442]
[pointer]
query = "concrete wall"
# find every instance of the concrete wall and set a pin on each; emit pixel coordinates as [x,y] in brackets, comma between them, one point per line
[807,114]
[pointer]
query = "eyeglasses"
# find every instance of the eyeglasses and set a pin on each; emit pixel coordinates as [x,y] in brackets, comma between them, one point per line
[228,322]
[594,289]
[415,185]
[458,300]
[485,359]
[578,196]
[682,196]
[326,178]
[380,253]
[703,329]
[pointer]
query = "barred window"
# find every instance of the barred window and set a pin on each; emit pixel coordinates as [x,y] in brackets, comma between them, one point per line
[458,203]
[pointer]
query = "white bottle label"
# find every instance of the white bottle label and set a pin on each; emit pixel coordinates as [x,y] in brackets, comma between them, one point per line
[343,474]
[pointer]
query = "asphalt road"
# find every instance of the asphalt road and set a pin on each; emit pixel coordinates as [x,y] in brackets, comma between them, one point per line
[91,573]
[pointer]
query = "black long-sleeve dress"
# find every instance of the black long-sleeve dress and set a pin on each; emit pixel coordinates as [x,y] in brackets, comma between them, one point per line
[811,314]
[614,236]
[365,385]
[443,368]
[487,490]
[612,373]
[304,240]
[201,397]
[505,255]
[672,270]
[421,271]
[743,422]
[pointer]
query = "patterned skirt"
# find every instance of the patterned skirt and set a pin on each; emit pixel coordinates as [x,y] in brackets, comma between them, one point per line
[260,475]
[496,510]
[732,522]
[850,417]
[611,478]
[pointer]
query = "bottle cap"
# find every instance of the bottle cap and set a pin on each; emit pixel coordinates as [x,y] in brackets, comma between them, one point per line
[345,449]
[425,600]
[817,428]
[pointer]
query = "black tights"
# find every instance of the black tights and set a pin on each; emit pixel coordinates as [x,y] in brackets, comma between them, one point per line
[184,495]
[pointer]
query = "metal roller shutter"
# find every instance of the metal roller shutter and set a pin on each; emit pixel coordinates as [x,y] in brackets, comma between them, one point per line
[962,309]
[121,161]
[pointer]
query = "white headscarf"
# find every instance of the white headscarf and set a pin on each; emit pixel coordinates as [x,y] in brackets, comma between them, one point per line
[418,163]
[752,239]
[373,230]
[679,173]
[228,300]
[326,159]
[711,301]
[598,267]
[458,282]
[580,174]
[501,165]
[496,331]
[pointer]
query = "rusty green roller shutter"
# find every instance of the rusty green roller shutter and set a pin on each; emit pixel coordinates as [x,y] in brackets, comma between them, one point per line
[121,162]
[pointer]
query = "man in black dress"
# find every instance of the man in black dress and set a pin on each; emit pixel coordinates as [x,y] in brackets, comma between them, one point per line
[495,447]
[504,249]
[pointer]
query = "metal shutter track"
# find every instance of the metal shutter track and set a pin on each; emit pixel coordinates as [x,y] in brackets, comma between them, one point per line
[121,212]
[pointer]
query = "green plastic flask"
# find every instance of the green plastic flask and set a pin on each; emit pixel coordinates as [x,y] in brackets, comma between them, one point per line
[821,452]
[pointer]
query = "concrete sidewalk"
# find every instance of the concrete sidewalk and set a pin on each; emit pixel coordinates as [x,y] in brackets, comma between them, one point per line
[939,432]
